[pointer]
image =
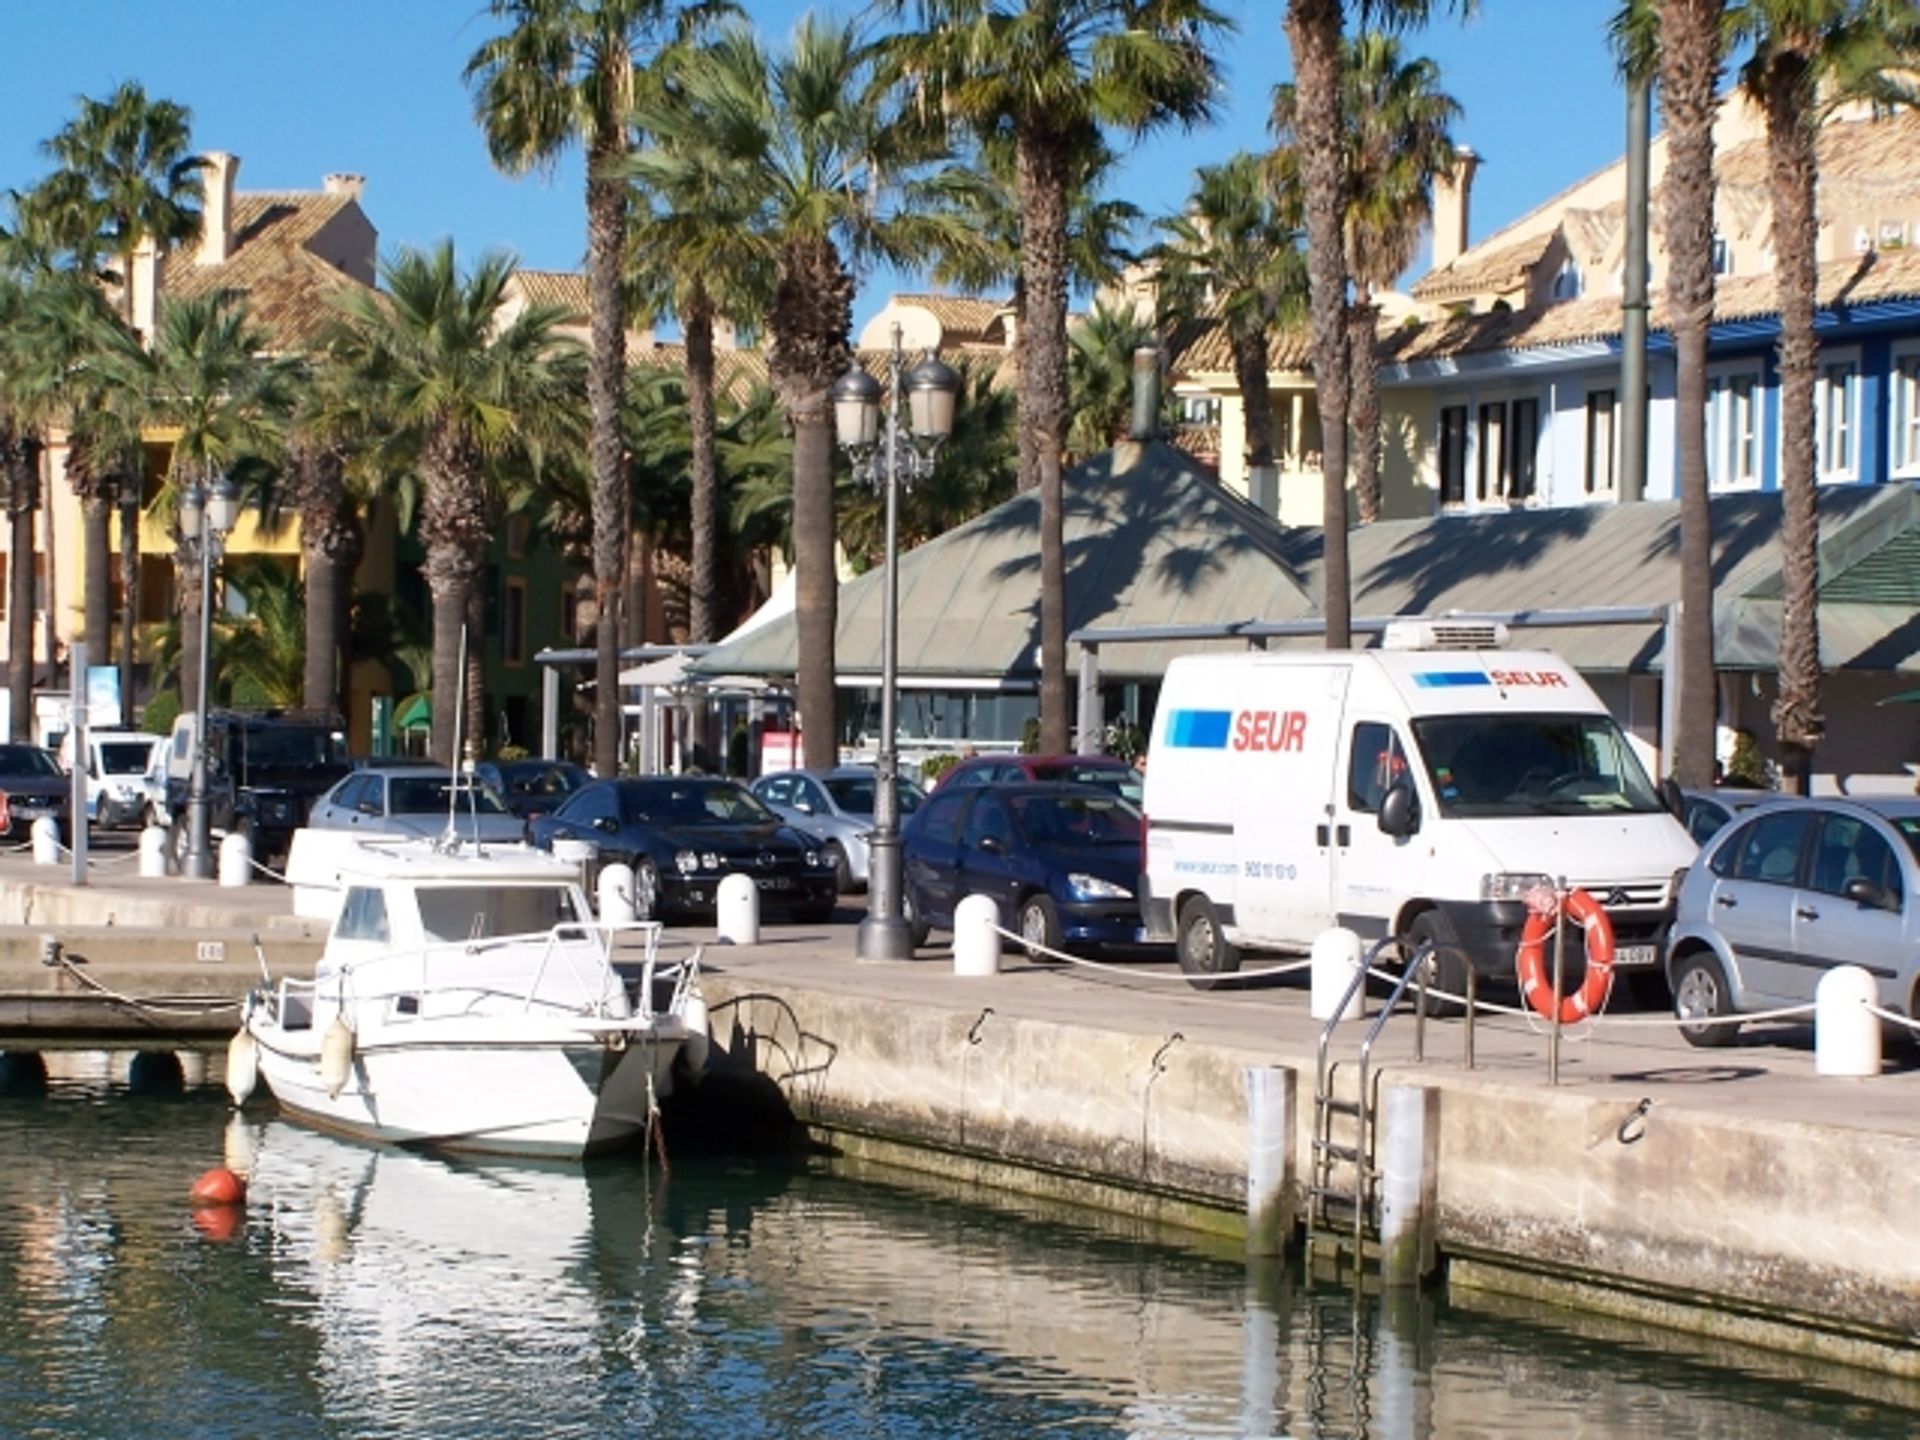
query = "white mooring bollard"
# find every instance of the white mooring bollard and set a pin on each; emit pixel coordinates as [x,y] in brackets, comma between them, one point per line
[1846,1035]
[236,861]
[976,943]
[153,853]
[615,894]
[1336,955]
[737,910]
[46,841]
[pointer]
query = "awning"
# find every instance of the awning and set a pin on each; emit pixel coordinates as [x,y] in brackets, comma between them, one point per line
[415,713]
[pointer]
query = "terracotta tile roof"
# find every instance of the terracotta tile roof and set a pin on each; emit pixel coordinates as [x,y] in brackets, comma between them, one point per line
[566,289]
[1861,280]
[964,319]
[1862,162]
[1591,233]
[1480,271]
[1204,349]
[737,373]
[289,289]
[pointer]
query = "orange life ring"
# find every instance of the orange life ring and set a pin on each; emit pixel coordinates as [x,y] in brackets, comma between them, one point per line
[1537,986]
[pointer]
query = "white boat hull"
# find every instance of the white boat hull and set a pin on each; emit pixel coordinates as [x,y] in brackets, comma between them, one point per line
[505,1086]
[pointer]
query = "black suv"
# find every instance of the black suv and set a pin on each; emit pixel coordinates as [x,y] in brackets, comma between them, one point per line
[265,768]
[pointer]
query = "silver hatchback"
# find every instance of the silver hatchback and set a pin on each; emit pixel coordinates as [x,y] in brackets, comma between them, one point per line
[1787,891]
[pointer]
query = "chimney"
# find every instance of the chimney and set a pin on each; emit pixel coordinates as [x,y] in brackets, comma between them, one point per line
[216,215]
[1451,194]
[346,185]
[1146,394]
[143,287]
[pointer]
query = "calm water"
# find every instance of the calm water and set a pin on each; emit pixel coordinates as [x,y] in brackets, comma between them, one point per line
[374,1293]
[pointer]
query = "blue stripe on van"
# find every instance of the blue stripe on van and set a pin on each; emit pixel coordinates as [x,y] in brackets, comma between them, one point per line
[1447,679]
[1199,729]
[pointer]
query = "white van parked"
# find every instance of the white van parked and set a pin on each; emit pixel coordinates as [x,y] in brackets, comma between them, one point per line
[117,762]
[1408,791]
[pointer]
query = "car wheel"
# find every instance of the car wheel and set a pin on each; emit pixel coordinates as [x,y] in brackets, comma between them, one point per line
[1700,996]
[646,891]
[842,868]
[1449,973]
[917,929]
[1039,926]
[1204,954]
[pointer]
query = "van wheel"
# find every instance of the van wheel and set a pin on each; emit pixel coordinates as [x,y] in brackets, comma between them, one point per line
[1700,994]
[1449,973]
[1204,954]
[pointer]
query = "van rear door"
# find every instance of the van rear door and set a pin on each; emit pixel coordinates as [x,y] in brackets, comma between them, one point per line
[1282,744]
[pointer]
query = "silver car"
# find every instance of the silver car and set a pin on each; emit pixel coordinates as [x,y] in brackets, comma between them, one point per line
[1784,893]
[835,807]
[417,801]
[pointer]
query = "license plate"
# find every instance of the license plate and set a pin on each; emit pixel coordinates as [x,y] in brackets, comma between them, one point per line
[774,882]
[1630,957]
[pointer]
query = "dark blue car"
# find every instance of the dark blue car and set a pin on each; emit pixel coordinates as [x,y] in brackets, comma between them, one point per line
[1060,860]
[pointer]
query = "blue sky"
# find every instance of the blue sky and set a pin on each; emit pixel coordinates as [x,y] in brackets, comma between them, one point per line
[302,88]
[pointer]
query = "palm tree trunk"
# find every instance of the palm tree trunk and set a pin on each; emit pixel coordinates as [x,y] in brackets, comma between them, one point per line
[1689,78]
[697,324]
[449,581]
[1797,722]
[129,605]
[1256,398]
[1363,320]
[1043,163]
[474,723]
[319,690]
[188,601]
[816,585]
[1313,32]
[606,379]
[96,535]
[22,500]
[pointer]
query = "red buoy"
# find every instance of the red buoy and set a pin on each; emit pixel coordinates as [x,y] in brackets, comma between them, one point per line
[219,1186]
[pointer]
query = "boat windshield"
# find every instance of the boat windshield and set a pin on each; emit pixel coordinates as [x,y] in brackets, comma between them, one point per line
[474,912]
[431,796]
[1485,766]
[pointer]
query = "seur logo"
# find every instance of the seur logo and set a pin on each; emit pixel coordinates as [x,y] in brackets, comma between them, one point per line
[1247,730]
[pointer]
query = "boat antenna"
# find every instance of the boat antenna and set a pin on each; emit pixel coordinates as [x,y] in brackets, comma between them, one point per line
[451,839]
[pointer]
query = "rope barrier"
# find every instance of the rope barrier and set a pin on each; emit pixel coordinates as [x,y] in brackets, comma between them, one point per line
[1133,973]
[159,1006]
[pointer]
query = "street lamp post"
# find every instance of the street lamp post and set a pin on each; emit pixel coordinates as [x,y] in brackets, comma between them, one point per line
[205,519]
[931,390]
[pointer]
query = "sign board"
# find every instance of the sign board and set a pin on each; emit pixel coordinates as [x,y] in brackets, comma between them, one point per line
[779,750]
[103,696]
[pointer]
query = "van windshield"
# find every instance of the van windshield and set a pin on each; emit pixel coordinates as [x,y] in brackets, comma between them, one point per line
[1554,764]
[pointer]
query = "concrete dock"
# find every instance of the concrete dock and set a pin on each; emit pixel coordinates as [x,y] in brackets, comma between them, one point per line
[1731,1193]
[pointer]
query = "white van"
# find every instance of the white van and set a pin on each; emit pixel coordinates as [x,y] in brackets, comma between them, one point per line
[117,762]
[1417,792]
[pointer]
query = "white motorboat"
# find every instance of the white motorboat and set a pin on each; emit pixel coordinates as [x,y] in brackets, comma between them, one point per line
[467,999]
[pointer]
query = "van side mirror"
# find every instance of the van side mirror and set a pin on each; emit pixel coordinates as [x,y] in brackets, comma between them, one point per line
[1671,797]
[1399,813]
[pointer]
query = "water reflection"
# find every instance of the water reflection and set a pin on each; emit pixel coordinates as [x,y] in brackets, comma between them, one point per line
[374,1292]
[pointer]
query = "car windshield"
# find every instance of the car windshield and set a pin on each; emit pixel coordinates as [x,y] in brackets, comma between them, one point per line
[1909,828]
[429,795]
[699,804]
[26,760]
[553,780]
[854,794]
[1076,819]
[1551,764]
[125,757]
[1120,779]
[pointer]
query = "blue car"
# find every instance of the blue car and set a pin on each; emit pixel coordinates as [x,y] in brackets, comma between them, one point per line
[1060,860]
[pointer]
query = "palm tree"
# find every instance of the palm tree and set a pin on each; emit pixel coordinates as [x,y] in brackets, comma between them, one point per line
[1055,76]
[209,379]
[20,476]
[1808,54]
[456,390]
[807,143]
[690,255]
[564,73]
[263,655]
[1314,29]
[1100,351]
[1682,42]
[1234,259]
[1396,123]
[127,175]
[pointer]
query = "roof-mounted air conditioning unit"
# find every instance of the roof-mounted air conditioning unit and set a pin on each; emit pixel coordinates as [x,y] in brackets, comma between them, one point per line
[1462,634]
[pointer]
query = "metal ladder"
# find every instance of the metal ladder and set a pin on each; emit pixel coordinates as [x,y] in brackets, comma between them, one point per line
[1342,1205]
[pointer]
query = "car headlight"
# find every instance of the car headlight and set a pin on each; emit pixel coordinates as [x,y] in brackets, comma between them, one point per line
[1679,879]
[686,861]
[1512,885]
[1093,887]
[712,859]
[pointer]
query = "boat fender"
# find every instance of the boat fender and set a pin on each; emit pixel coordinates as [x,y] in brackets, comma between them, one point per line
[336,1057]
[699,1042]
[243,1066]
[219,1186]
